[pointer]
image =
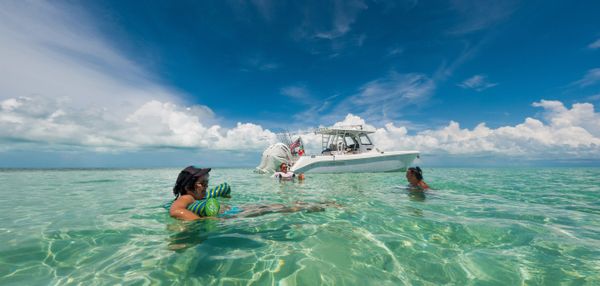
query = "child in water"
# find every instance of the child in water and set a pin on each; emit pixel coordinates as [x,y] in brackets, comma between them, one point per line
[414,176]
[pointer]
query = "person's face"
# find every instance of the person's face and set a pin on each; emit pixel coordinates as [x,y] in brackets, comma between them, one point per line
[411,177]
[200,187]
[284,168]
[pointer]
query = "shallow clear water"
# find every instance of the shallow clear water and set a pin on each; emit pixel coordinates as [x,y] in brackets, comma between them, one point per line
[479,226]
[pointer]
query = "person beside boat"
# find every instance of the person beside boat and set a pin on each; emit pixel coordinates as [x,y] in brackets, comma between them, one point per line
[284,174]
[414,176]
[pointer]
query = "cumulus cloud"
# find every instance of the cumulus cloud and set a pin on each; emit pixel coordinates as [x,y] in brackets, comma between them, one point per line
[562,133]
[477,82]
[63,87]
[54,125]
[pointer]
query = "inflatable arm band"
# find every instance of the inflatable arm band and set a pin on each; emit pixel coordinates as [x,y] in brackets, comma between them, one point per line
[209,206]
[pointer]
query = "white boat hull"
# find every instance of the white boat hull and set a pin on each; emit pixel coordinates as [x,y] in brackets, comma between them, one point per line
[369,162]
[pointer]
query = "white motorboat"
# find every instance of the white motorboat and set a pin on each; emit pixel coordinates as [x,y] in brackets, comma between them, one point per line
[349,149]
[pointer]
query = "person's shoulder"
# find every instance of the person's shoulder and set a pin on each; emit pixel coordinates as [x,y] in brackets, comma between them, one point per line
[186,199]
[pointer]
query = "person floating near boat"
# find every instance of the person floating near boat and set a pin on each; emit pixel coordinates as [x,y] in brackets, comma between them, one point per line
[284,174]
[414,176]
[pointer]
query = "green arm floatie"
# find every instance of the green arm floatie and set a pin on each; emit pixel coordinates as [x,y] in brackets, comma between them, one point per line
[208,207]
[222,190]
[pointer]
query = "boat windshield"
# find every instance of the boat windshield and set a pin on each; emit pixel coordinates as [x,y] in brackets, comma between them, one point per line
[364,139]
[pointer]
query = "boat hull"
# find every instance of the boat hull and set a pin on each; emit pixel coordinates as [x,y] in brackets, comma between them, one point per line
[356,163]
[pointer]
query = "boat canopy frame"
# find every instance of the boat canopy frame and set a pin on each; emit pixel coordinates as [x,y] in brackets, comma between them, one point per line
[344,139]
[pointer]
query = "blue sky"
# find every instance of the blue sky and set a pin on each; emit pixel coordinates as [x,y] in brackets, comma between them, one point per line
[116,83]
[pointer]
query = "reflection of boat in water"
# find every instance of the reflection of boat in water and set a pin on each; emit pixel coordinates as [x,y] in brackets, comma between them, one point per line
[350,150]
[345,150]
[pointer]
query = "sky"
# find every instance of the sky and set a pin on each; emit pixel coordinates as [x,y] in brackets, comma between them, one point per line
[174,83]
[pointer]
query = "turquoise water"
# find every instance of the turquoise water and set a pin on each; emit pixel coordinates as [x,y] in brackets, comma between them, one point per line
[525,226]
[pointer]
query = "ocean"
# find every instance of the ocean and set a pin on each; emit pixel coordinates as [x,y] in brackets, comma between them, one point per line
[490,226]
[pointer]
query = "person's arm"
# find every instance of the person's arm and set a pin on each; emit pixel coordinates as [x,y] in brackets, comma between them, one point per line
[179,208]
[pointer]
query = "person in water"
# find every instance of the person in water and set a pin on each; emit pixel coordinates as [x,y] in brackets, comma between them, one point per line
[190,186]
[192,183]
[414,176]
[284,174]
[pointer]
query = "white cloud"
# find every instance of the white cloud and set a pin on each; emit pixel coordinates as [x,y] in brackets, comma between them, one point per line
[594,97]
[260,63]
[155,124]
[301,95]
[52,51]
[590,78]
[477,82]
[295,91]
[479,15]
[563,134]
[62,86]
[342,17]
[595,45]
[395,51]
[386,96]
[345,13]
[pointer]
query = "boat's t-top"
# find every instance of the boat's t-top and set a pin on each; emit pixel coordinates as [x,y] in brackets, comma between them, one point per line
[351,139]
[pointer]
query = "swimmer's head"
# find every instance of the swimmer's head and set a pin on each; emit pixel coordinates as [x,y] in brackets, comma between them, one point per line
[416,172]
[190,179]
[283,167]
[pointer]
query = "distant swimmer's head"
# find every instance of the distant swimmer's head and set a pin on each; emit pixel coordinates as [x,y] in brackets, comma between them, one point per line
[283,167]
[414,173]
[414,176]
[192,180]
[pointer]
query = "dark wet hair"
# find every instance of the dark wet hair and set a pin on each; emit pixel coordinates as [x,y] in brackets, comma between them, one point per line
[417,171]
[187,178]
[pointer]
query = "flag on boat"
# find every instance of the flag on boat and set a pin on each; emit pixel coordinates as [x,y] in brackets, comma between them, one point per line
[297,144]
